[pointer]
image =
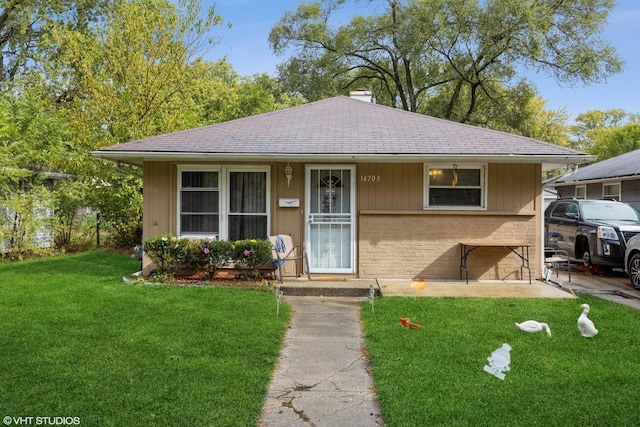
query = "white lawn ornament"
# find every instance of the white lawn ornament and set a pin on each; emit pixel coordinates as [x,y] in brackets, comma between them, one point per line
[533,326]
[586,326]
[499,361]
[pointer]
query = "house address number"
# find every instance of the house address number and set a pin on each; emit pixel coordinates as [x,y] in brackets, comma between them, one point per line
[369,178]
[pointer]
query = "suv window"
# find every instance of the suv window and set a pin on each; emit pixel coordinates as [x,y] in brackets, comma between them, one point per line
[562,209]
[614,210]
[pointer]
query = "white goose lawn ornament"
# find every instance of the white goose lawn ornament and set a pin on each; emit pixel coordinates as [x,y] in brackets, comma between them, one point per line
[586,326]
[533,326]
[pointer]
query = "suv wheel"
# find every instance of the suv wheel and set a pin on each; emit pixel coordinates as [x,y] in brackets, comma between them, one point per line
[634,271]
[586,258]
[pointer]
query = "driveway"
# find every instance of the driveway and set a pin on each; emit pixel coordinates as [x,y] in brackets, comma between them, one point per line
[613,286]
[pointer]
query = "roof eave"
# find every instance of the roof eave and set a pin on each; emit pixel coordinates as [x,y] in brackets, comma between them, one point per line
[585,181]
[138,158]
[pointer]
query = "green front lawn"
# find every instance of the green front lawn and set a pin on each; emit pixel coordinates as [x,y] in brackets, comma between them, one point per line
[75,341]
[434,375]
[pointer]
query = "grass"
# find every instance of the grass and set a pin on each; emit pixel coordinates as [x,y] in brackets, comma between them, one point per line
[75,341]
[434,375]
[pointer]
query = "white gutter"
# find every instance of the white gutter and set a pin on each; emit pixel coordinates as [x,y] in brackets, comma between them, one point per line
[140,157]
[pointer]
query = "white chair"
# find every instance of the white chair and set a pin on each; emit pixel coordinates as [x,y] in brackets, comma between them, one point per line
[557,258]
[284,250]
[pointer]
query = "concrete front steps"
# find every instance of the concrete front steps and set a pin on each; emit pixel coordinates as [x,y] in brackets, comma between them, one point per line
[330,287]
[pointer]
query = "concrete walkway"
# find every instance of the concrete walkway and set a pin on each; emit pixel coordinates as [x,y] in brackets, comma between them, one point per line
[322,376]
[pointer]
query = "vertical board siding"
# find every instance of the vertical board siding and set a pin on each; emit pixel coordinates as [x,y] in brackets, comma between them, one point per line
[399,186]
[288,220]
[510,187]
[159,199]
[158,215]
[513,187]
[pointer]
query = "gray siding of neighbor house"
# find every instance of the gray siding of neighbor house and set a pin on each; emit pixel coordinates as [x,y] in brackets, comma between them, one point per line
[629,191]
[594,191]
[568,191]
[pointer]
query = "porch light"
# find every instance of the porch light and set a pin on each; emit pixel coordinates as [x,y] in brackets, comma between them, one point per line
[288,172]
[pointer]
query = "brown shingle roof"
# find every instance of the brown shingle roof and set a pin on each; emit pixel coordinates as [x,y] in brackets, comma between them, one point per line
[338,126]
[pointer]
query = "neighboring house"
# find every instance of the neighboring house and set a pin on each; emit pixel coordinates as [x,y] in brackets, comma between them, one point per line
[615,178]
[371,191]
[550,194]
[43,236]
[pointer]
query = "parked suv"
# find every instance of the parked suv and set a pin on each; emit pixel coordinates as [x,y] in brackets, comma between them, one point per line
[594,232]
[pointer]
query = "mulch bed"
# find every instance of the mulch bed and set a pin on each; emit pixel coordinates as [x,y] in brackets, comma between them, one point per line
[224,279]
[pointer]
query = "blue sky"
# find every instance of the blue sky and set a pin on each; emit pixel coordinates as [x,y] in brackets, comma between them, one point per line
[247,50]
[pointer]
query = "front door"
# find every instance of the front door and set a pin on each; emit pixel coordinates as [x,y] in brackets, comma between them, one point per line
[330,206]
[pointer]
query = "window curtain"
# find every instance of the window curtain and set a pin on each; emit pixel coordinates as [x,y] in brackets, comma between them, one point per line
[247,205]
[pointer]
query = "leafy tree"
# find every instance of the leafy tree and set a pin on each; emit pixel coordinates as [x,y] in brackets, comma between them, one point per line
[32,146]
[24,23]
[105,72]
[230,96]
[447,58]
[69,199]
[136,74]
[139,73]
[590,126]
[618,141]
[32,138]
[608,133]
[547,125]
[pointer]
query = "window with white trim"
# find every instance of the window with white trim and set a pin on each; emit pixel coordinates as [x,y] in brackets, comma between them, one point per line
[611,191]
[199,203]
[455,187]
[226,202]
[581,192]
[247,205]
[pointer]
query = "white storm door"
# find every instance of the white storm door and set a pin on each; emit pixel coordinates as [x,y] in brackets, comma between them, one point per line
[330,229]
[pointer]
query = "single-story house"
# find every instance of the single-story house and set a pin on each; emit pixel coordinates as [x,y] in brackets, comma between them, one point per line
[370,191]
[614,178]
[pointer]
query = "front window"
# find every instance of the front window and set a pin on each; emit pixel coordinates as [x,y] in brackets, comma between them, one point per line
[199,203]
[454,187]
[611,191]
[247,205]
[581,192]
[228,203]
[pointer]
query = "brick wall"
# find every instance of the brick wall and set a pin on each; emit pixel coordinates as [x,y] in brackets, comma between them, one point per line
[426,246]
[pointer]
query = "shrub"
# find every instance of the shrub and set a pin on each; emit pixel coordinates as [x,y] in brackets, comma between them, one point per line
[250,255]
[162,251]
[206,255]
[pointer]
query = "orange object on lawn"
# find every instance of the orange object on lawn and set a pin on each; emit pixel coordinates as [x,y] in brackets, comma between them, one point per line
[407,323]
